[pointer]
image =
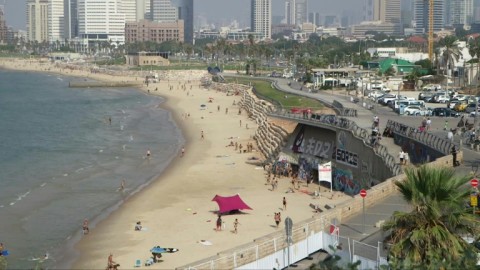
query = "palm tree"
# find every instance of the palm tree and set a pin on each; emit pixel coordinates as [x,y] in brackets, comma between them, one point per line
[474,50]
[451,53]
[429,236]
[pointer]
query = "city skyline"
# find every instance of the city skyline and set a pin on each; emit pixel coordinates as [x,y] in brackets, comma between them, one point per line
[214,10]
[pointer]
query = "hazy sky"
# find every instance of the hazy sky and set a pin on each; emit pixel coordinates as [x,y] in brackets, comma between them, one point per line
[214,9]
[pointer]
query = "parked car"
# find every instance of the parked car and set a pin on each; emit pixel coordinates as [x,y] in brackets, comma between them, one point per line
[442,99]
[471,108]
[447,112]
[460,106]
[385,100]
[416,110]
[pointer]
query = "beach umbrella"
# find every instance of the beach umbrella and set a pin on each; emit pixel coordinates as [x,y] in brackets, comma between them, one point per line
[160,250]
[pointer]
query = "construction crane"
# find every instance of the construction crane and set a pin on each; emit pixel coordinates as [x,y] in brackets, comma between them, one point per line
[430,30]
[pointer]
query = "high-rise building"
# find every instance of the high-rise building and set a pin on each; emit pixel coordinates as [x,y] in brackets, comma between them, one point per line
[301,12]
[459,12]
[261,17]
[70,19]
[173,10]
[101,20]
[37,20]
[421,15]
[290,12]
[129,8]
[3,27]
[55,20]
[143,10]
[371,10]
[390,11]
[314,17]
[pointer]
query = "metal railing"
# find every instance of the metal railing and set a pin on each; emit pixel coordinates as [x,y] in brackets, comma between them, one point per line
[440,144]
[344,111]
[334,121]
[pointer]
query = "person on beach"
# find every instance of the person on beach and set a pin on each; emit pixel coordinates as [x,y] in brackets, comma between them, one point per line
[219,223]
[218,108]
[226,110]
[240,122]
[138,226]
[201,135]
[277,219]
[148,153]
[235,226]
[183,151]
[240,147]
[122,185]
[284,203]
[111,264]
[85,228]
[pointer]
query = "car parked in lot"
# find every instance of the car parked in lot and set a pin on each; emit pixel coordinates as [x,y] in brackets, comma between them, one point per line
[471,108]
[442,98]
[446,112]
[416,110]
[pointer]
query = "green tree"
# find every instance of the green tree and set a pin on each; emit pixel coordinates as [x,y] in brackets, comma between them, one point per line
[429,237]
[451,52]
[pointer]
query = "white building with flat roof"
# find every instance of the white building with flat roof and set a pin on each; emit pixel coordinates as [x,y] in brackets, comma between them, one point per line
[37,20]
[101,20]
[55,20]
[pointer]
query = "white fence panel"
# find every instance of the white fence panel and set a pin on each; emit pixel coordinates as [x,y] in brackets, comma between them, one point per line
[315,242]
[329,240]
[365,264]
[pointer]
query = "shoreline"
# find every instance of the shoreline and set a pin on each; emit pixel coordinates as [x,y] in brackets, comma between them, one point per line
[176,207]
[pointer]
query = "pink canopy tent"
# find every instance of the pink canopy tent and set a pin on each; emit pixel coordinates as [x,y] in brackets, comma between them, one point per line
[227,204]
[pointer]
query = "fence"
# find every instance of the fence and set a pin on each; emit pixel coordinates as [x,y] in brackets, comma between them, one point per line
[441,145]
[334,121]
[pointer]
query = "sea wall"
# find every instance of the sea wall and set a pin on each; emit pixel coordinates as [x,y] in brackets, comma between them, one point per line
[269,137]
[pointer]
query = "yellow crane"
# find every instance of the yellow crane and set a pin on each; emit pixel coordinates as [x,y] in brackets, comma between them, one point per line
[430,30]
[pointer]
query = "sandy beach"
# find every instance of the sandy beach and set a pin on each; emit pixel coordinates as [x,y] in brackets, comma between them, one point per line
[176,210]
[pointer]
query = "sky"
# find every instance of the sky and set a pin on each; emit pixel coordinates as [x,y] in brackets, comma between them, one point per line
[216,10]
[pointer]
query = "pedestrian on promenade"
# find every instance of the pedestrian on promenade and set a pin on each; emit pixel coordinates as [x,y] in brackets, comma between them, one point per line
[429,123]
[401,156]
[454,156]
[445,127]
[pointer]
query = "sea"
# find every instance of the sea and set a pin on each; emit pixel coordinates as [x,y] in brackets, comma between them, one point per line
[62,161]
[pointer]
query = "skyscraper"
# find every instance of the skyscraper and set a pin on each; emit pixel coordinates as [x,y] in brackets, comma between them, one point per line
[55,20]
[314,17]
[70,19]
[37,20]
[459,12]
[129,8]
[173,10]
[301,12]
[390,11]
[421,14]
[261,17]
[290,12]
[371,10]
[143,10]
[101,20]
[3,27]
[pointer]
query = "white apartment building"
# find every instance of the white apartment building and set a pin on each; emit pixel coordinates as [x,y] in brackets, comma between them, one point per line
[301,12]
[129,8]
[37,20]
[143,10]
[101,20]
[55,20]
[261,17]
[289,12]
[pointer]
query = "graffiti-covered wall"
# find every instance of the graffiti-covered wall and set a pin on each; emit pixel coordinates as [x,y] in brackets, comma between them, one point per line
[417,152]
[355,165]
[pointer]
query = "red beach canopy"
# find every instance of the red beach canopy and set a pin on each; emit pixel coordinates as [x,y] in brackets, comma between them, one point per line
[227,204]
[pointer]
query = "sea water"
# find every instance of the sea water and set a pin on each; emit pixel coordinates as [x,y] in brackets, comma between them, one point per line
[62,161]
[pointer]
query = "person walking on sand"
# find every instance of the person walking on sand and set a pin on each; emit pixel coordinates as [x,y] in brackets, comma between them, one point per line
[226,110]
[201,135]
[183,151]
[111,264]
[85,228]
[219,223]
[284,203]
[240,122]
[277,218]
[235,226]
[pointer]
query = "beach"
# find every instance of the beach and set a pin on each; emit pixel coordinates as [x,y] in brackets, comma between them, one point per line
[176,210]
